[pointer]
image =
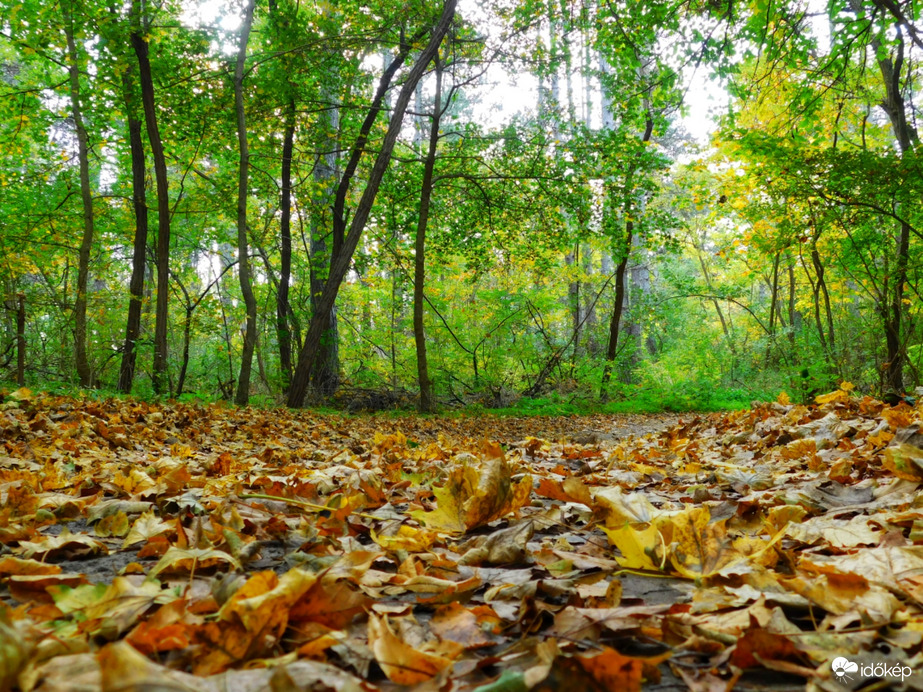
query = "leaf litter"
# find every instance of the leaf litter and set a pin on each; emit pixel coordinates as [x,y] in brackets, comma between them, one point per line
[180,546]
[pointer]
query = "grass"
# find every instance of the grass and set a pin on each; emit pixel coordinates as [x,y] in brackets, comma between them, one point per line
[631,399]
[626,399]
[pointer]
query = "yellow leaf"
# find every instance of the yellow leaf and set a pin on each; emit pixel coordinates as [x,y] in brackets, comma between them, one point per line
[475,494]
[402,663]
[641,548]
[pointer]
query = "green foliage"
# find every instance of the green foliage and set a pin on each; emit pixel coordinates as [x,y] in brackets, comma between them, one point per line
[778,254]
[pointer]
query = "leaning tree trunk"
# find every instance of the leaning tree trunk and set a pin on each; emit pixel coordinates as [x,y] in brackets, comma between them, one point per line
[345,247]
[140,45]
[84,371]
[243,262]
[139,199]
[427,400]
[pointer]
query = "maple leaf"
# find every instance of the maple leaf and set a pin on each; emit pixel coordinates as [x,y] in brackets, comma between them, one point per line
[475,493]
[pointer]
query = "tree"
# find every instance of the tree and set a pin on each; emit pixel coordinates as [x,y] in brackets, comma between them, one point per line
[84,370]
[243,261]
[140,37]
[345,245]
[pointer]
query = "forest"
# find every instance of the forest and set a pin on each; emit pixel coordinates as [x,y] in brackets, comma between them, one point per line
[429,205]
[682,235]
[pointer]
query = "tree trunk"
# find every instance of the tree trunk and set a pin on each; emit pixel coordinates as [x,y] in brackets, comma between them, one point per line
[187,339]
[895,106]
[140,45]
[708,284]
[283,332]
[139,199]
[427,399]
[84,371]
[345,247]
[21,339]
[617,309]
[243,261]
[325,373]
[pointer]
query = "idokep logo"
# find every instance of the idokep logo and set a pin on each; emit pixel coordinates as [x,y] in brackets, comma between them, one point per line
[845,670]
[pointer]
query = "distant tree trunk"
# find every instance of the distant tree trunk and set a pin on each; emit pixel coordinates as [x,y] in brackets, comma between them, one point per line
[638,289]
[826,340]
[792,312]
[140,45]
[706,275]
[139,199]
[345,244]
[283,332]
[21,339]
[617,309]
[572,259]
[620,271]
[427,399]
[84,371]
[243,261]
[773,302]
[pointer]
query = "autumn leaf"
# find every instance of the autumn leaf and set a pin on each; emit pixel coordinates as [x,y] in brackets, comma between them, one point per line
[145,527]
[402,663]
[476,492]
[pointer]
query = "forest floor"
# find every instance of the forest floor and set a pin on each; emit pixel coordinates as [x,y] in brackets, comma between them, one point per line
[174,546]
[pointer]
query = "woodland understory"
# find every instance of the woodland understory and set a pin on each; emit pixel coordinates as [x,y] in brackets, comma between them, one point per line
[375,206]
[228,228]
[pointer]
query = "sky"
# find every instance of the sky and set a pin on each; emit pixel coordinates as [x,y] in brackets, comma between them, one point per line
[512,93]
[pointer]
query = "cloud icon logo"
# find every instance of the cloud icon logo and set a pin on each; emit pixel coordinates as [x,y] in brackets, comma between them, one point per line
[842,666]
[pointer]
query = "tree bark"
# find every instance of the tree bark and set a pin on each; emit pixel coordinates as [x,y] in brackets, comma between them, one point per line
[84,371]
[243,261]
[142,52]
[427,399]
[139,201]
[344,249]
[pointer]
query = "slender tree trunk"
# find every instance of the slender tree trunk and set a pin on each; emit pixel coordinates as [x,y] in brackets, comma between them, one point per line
[345,247]
[243,249]
[617,309]
[828,339]
[187,339]
[84,371]
[621,268]
[427,399]
[791,302]
[773,302]
[283,332]
[139,200]
[21,339]
[708,284]
[572,260]
[140,45]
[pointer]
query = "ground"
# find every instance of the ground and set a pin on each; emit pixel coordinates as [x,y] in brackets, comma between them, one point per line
[210,547]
